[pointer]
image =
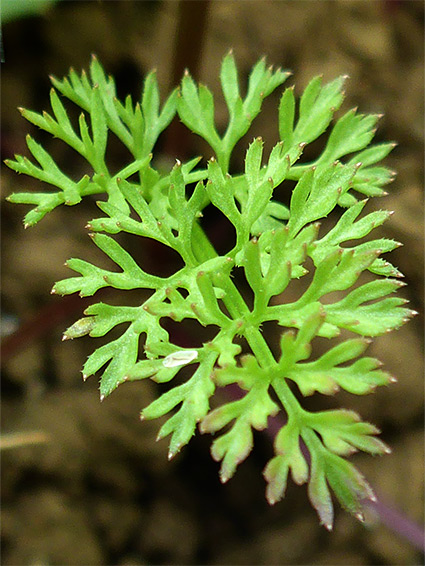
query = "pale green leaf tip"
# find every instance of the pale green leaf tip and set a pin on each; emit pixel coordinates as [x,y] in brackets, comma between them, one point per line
[172,453]
[224,478]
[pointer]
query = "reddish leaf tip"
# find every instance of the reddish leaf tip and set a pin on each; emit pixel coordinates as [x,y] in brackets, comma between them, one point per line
[171,454]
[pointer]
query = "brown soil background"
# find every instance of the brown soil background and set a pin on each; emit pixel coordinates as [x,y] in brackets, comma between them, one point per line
[100,491]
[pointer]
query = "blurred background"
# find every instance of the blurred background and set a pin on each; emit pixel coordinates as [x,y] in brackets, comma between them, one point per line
[85,483]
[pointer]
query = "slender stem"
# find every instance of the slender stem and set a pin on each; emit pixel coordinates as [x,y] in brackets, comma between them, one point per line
[288,399]
[223,158]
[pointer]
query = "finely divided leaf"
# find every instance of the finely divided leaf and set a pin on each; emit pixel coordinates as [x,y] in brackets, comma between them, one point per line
[276,243]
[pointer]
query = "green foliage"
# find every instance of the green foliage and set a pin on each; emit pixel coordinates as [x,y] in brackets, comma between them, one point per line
[16,9]
[274,245]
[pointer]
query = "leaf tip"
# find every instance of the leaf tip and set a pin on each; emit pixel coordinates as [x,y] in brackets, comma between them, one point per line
[271,499]
[328,525]
[372,497]
[224,478]
[173,453]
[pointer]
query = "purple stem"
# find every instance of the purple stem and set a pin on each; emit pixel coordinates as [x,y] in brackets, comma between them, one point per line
[399,523]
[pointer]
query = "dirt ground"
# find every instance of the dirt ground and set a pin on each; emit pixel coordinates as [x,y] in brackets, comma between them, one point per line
[92,487]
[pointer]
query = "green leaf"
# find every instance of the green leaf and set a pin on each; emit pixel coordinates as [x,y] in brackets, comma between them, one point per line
[75,88]
[271,261]
[215,314]
[195,113]
[311,201]
[154,215]
[318,491]
[82,327]
[261,83]
[103,317]
[62,128]
[194,396]
[337,272]
[351,133]
[288,457]
[369,320]
[232,448]
[252,411]
[150,100]
[317,106]
[271,218]
[121,355]
[154,121]
[347,229]
[343,433]
[348,484]
[196,108]
[286,117]
[94,278]
[370,180]
[223,343]
[253,162]
[385,268]
[219,189]
[373,154]
[185,212]
[323,375]
[229,81]
[45,203]
[276,476]
[99,129]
